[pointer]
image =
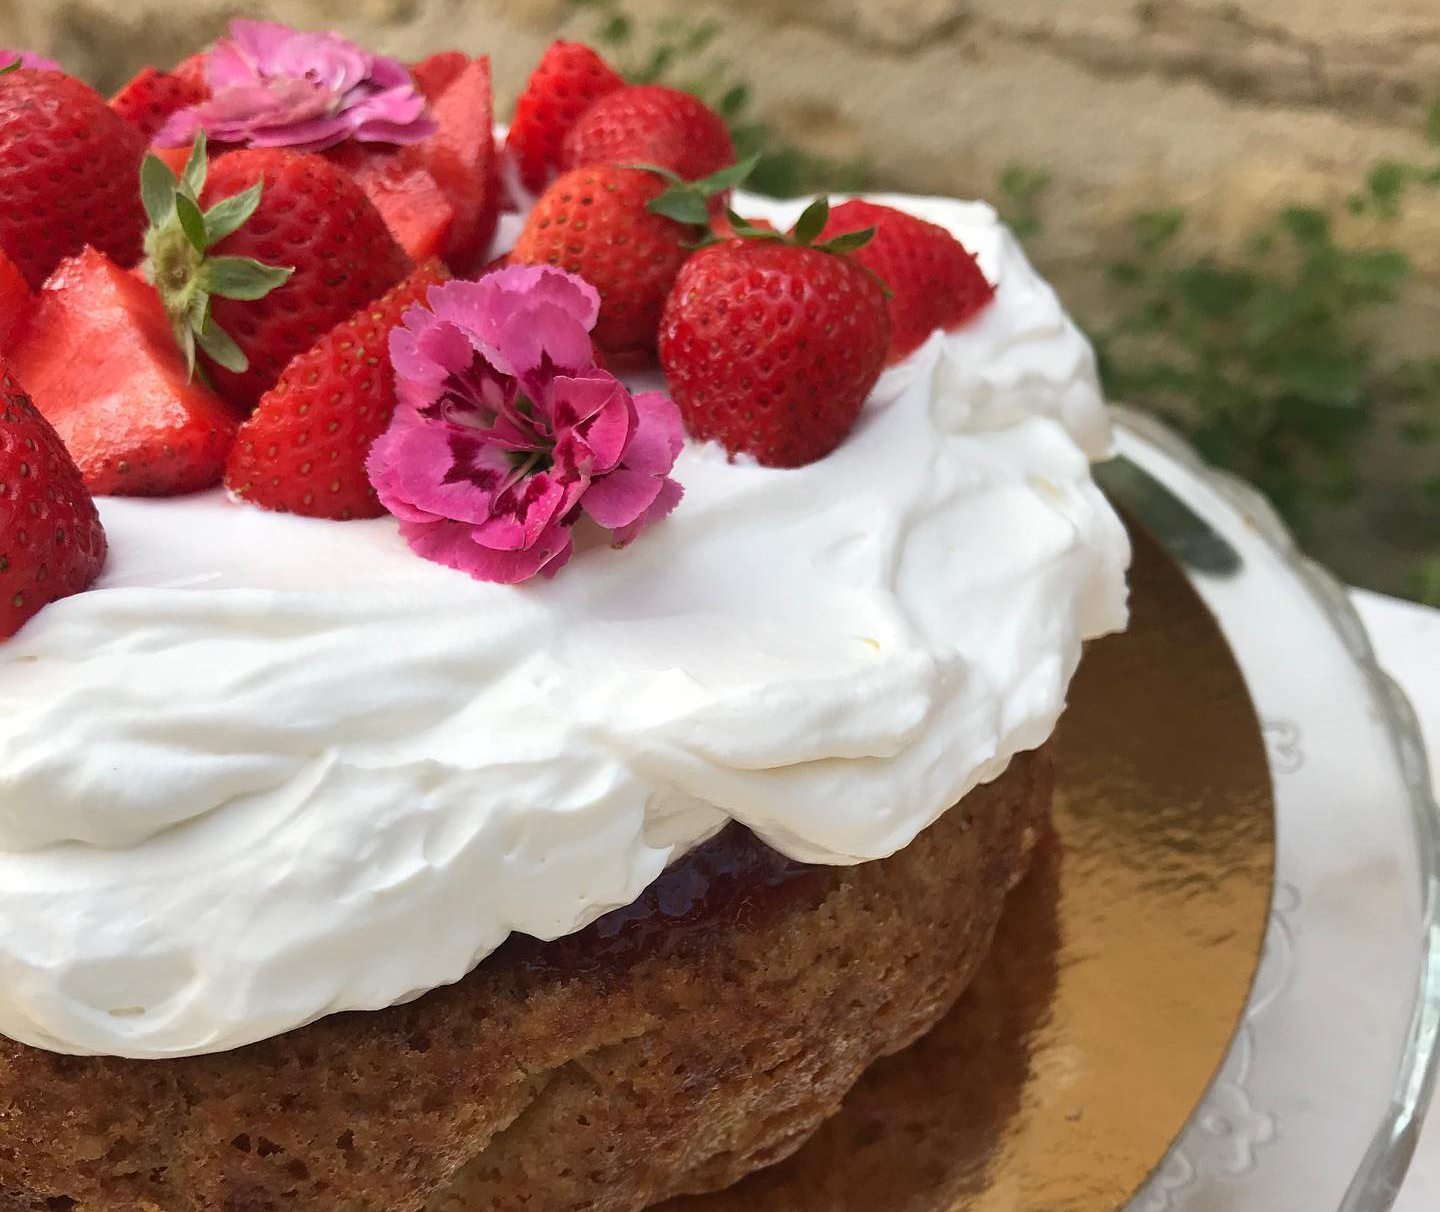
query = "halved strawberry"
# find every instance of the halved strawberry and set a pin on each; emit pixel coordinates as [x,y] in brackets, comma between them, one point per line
[435,73]
[461,158]
[102,365]
[51,540]
[152,96]
[395,179]
[16,302]
[304,448]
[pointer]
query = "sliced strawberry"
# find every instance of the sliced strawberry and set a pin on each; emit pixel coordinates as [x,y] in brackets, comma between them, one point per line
[152,96]
[51,540]
[461,158]
[435,73]
[304,448]
[395,179]
[569,77]
[16,302]
[102,365]
[175,158]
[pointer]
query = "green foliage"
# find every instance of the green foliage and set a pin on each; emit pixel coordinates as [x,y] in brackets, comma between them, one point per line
[678,51]
[1265,360]
[1021,188]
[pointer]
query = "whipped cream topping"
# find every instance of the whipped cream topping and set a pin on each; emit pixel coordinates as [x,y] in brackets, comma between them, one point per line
[274,768]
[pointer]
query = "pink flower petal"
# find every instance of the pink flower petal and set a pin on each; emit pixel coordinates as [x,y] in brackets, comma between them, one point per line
[499,444]
[663,505]
[659,435]
[277,87]
[617,500]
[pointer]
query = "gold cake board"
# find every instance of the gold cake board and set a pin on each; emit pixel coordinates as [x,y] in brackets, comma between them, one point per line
[1120,969]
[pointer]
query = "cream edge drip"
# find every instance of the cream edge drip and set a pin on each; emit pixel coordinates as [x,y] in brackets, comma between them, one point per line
[272,768]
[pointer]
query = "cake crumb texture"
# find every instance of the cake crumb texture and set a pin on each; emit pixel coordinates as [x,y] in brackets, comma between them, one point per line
[608,1071]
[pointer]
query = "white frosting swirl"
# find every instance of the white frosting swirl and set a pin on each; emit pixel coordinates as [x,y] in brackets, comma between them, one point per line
[273,768]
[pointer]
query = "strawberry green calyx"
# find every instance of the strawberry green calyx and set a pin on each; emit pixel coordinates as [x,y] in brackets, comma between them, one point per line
[689,201]
[809,225]
[178,262]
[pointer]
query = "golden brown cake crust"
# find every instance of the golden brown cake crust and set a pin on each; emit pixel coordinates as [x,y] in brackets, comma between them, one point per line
[605,1072]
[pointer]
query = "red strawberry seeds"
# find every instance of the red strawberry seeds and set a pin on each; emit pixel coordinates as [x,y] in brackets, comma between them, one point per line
[650,124]
[316,219]
[770,348]
[51,541]
[152,96]
[68,166]
[569,77]
[304,449]
[934,281]
[594,222]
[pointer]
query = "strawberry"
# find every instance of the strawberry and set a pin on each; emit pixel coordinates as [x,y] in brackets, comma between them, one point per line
[435,73]
[460,155]
[770,344]
[934,281]
[51,540]
[396,181]
[626,231]
[568,78]
[152,96]
[102,366]
[288,248]
[650,124]
[67,173]
[304,449]
[16,302]
[192,73]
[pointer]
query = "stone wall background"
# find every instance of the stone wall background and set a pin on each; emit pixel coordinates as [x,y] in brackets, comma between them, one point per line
[1228,108]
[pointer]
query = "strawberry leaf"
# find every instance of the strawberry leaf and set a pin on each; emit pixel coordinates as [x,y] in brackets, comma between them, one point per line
[668,174]
[157,189]
[812,222]
[192,222]
[681,205]
[729,177]
[221,347]
[241,277]
[12,66]
[848,241]
[196,166]
[742,227]
[229,214]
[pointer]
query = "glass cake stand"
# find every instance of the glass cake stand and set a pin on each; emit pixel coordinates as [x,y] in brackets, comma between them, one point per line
[1318,1103]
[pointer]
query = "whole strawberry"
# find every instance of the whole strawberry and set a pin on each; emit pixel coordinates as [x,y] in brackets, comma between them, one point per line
[67,174]
[626,231]
[288,246]
[650,124]
[770,344]
[934,282]
[51,540]
[568,78]
[304,448]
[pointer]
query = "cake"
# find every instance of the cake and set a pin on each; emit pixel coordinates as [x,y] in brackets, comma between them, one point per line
[336,878]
